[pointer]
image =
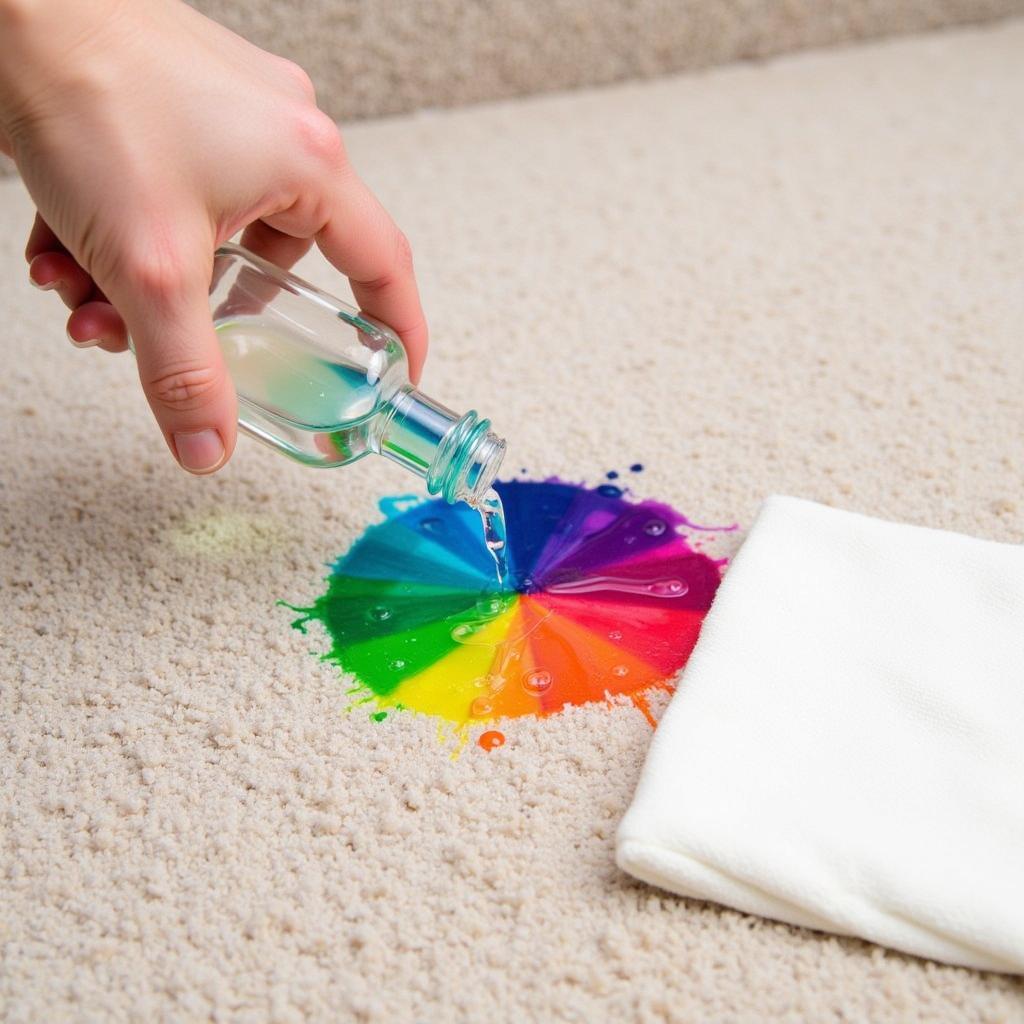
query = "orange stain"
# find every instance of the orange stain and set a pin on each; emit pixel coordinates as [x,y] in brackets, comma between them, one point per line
[584,668]
[491,740]
[505,697]
[643,705]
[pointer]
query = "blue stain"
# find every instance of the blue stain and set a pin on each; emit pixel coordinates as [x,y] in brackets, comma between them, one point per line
[396,553]
[612,474]
[429,542]
[466,533]
[589,517]
[637,467]
[532,512]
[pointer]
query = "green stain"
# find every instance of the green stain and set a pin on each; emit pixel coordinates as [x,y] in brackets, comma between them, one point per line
[356,610]
[382,664]
[379,716]
[385,631]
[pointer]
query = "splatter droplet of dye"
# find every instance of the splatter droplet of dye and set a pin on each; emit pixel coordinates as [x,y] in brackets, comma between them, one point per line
[637,467]
[612,475]
[491,740]
[654,528]
[379,716]
[589,592]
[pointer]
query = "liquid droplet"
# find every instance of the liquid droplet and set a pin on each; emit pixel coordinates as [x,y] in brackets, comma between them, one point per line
[481,708]
[589,584]
[432,524]
[609,491]
[669,588]
[654,528]
[537,682]
[491,740]
[379,716]
[397,665]
[378,613]
[612,475]
[615,634]
[620,670]
[637,467]
[490,607]
[460,632]
[495,684]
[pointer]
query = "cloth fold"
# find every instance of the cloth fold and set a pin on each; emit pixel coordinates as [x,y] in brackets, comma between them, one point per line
[846,748]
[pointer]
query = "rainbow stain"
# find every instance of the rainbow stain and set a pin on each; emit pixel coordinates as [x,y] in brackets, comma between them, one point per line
[604,601]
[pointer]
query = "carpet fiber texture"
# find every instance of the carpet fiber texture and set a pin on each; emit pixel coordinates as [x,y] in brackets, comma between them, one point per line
[798,277]
[369,57]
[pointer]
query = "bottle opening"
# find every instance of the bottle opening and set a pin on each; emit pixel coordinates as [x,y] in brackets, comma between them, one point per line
[459,456]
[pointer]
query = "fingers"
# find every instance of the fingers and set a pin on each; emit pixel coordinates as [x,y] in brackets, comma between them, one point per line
[251,291]
[93,322]
[180,365]
[41,239]
[97,324]
[363,242]
[275,246]
[57,271]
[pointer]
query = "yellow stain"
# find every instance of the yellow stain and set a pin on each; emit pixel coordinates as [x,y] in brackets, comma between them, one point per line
[448,687]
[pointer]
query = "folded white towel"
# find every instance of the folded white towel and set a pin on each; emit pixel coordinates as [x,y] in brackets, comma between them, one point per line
[846,748]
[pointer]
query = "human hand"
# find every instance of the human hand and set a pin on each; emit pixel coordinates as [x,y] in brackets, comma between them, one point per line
[147,135]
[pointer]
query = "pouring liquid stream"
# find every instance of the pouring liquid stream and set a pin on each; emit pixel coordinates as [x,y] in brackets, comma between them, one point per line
[492,518]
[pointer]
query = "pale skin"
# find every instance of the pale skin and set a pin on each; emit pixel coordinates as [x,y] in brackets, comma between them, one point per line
[147,135]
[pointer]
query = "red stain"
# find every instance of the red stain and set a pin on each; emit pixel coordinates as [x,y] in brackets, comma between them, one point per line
[491,740]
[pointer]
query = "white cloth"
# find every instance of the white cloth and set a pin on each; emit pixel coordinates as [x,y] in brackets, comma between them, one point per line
[846,748]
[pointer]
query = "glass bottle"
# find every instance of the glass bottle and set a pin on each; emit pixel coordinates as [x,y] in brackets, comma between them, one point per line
[326,385]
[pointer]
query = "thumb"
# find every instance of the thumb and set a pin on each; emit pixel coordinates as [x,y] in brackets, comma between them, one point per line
[181,368]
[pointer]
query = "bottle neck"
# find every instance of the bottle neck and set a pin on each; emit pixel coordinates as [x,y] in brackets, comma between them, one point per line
[458,456]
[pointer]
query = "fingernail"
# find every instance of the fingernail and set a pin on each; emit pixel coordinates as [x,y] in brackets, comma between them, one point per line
[200,451]
[48,287]
[88,343]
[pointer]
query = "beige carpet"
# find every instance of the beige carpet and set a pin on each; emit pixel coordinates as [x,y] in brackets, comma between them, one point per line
[372,57]
[803,276]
